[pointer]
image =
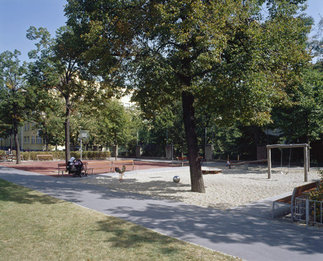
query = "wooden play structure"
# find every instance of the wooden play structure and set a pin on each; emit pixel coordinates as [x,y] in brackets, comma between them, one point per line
[306,148]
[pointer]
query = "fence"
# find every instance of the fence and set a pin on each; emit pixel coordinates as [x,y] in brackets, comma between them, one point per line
[308,211]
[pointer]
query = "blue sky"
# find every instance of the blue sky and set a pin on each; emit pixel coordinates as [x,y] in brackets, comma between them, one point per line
[16,16]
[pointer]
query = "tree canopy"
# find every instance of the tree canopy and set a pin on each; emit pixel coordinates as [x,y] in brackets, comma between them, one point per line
[224,55]
[16,96]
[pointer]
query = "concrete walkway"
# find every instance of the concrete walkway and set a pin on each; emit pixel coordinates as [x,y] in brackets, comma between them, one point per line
[248,233]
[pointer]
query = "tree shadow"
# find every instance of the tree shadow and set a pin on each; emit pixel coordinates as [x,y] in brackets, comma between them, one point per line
[156,188]
[22,195]
[193,223]
[215,229]
[127,235]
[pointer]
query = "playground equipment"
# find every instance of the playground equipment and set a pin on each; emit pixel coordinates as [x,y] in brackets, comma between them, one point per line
[306,148]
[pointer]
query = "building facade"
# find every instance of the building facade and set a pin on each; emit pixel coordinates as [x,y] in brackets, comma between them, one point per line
[28,139]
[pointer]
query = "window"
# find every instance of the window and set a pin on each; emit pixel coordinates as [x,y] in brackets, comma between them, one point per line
[32,139]
[39,140]
[26,139]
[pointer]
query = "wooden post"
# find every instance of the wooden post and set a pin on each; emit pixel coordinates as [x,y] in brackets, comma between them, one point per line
[305,164]
[269,162]
[309,158]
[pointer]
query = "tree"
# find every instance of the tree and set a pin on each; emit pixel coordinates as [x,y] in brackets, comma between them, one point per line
[303,119]
[50,122]
[223,54]
[14,98]
[113,123]
[58,67]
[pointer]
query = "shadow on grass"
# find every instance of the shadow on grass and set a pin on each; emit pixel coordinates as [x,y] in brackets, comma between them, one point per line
[215,227]
[18,194]
[127,235]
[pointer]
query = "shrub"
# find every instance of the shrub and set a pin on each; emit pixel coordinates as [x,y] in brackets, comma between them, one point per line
[60,155]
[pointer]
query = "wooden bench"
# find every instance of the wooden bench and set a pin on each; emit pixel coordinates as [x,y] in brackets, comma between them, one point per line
[87,170]
[287,203]
[44,157]
[12,157]
[120,163]
[61,169]
[211,171]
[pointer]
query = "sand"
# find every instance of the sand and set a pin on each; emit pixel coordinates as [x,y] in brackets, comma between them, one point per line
[232,188]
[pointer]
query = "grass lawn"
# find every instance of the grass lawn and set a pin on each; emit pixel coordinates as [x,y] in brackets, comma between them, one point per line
[34,226]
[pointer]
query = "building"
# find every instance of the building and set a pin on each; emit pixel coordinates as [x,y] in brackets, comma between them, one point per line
[28,139]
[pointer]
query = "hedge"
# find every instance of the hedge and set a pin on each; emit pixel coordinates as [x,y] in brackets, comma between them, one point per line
[60,155]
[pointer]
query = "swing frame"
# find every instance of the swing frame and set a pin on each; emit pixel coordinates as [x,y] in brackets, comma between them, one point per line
[306,149]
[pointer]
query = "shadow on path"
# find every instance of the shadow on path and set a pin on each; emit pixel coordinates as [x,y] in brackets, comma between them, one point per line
[231,231]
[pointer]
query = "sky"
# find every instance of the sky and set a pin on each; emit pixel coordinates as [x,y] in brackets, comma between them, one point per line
[16,16]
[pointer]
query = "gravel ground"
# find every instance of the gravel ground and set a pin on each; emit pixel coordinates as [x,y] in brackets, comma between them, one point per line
[231,188]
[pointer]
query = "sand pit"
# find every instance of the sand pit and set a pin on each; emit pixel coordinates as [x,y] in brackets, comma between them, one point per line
[231,188]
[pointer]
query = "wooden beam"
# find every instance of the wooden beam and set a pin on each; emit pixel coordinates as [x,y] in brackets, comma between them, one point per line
[269,162]
[305,164]
[287,146]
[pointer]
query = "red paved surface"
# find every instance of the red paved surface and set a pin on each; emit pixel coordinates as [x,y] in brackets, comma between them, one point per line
[99,166]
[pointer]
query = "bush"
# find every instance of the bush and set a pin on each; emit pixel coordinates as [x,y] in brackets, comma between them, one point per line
[60,155]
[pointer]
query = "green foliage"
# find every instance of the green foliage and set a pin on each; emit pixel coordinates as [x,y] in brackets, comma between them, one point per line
[108,122]
[12,89]
[17,98]
[220,55]
[58,66]
[303,120]
[318,193]
[162,128]
[60,155]
[316,43]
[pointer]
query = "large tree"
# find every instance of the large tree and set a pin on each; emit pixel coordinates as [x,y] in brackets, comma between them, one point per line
[58,67]
[222,54]
[15,99]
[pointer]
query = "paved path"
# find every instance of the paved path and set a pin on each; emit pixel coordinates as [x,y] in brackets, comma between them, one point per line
[247,233]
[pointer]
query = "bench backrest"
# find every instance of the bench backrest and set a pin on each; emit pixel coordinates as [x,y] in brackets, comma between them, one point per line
[61,164]
[122,162]
[299,190]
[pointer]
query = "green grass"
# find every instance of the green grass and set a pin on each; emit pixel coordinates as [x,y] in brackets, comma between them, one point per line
[34,226]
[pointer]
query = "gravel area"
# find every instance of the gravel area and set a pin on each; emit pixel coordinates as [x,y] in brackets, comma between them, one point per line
[231,188]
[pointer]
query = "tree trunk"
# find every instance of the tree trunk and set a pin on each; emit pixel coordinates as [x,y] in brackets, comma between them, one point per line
[15,133]
[67,131]
[197,183]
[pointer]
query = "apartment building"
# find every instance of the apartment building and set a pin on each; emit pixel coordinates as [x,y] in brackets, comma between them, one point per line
[28,139]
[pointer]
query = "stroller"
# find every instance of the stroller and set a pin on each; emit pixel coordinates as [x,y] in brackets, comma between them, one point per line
[76,167]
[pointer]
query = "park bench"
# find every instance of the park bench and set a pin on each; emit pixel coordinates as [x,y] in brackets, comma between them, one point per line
[287,203]
[119,163]
[44,157]
[206,171]
[12,157]
[61,168]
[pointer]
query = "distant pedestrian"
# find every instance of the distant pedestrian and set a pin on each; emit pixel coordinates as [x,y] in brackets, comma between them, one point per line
[228,164]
